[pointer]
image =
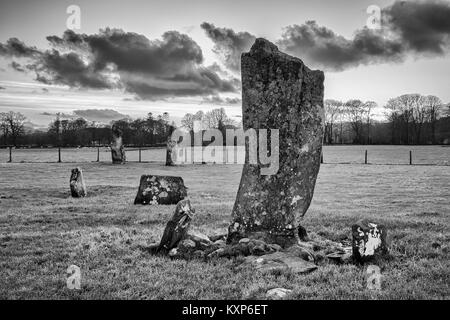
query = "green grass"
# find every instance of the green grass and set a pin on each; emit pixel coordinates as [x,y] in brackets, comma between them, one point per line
[43,231]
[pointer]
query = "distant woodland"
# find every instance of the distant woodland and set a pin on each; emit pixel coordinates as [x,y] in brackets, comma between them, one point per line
[409,119]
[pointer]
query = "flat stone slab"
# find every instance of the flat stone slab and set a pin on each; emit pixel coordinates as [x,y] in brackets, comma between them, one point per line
[280,261]
[160,190]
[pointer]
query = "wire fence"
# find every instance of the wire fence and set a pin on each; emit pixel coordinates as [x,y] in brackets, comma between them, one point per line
[346,154]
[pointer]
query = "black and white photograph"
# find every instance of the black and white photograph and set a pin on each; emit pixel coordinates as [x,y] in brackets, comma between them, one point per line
[224,151]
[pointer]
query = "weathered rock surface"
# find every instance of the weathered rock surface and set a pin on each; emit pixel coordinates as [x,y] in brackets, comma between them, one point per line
[117,150]
[281,261]
[202,241]
[77,185]
[160,190]
[176,228]
[277,293]
[171,154]
[279,92]
[368,240]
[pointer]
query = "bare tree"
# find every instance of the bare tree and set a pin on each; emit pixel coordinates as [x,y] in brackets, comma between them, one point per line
[4,127]
[356,113]
[217,118]
[332,108]
[406,110]
[188,121]
[368,107]
[12,124]
[433,107]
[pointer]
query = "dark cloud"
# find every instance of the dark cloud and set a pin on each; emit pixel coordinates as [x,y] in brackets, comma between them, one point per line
[408,28]
[70,69]
[112,58]
[17,66]
[229,44]
[16,48]
[424,26]
[2,88]
[61,115]
[217,100]
[100,115]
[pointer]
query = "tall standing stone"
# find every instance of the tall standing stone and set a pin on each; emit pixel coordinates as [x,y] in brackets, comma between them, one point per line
[279,92]
[117,150]
[77,186]
[171,151]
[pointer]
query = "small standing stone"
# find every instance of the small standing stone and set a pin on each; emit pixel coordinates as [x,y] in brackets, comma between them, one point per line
[77,186]
[171,151]
[117,150]
[177,227]
[369,240]
[160,190]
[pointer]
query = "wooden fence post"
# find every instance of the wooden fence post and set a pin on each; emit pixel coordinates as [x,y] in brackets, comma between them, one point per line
[10,154]
[59,154]
[139,154]
[98,154]
[410,157]
[365,157]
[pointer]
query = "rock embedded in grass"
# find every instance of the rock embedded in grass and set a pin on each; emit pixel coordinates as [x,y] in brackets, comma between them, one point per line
[280,261]
[155,189]
[77,185]
[278,293]
[279,92]
[177,227]
[368,240]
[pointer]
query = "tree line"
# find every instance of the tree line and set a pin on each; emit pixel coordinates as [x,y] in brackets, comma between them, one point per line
[410,119]
[148,131]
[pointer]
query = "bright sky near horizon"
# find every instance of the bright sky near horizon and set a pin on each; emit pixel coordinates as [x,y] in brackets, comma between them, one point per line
[32,21]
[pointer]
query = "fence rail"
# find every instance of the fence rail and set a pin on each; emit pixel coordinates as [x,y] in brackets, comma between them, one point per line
[389,155]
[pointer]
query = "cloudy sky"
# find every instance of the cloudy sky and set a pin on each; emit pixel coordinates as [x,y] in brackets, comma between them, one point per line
[180,56]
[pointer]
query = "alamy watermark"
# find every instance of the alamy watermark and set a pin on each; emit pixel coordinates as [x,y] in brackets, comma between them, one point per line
[233,151]
[73,280]
[373,277]
[374,20]
[73,22]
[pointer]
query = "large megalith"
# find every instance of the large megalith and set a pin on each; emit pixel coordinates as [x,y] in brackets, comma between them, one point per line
[117,149]
[279,92]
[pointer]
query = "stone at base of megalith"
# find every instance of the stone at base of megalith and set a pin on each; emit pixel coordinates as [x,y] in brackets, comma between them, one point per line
[77,186]
[160,190]
[279,92]
[177,227]
[368,240]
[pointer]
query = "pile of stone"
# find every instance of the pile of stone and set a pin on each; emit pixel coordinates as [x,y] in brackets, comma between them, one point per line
[265,257]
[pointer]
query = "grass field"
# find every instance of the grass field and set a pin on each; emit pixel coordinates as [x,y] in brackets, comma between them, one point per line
[43,231]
